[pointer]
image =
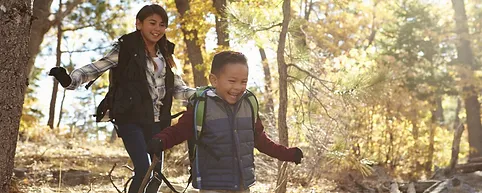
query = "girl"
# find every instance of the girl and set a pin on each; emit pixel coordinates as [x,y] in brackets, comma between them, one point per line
[143,86]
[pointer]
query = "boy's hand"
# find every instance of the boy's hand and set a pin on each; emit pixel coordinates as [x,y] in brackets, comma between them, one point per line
[155,147]
[61,75]
[298,156]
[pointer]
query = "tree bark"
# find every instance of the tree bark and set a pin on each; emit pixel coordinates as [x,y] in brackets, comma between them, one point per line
[283,93]
[193,46]
[466,57]
[61,108]
[221,23]
[15,17]
[40,26]
[458,130]
[55,89]
[437,119]
[268,93]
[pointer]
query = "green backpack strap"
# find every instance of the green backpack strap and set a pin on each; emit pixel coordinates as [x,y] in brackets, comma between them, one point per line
[253,102]
[198,100]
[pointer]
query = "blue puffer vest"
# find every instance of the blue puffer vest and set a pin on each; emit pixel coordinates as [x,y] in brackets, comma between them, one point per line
[228,132]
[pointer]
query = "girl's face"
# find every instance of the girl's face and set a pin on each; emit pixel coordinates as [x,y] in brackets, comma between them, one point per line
[152,29]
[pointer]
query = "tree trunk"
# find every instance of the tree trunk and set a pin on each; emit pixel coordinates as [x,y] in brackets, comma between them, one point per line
[437,119]
[268,92]
[41,25]
[15,17]
[193,46]
[221,23]
[61,108]
[458,130]
[431,147]
[283,93]
[55,89]
[465,57]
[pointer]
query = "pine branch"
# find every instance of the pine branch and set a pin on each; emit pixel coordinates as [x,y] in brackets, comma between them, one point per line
[311,75]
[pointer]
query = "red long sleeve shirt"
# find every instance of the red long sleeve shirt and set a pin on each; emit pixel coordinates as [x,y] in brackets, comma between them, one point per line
[183,130]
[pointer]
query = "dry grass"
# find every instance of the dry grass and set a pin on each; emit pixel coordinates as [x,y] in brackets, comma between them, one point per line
[42,157]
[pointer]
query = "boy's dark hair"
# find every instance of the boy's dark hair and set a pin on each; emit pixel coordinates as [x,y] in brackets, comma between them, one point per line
[227,57]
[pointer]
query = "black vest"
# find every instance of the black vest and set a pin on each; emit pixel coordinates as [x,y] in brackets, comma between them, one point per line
[132,102]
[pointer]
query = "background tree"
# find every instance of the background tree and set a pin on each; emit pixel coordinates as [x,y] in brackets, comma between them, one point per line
[465,58]
[283,94]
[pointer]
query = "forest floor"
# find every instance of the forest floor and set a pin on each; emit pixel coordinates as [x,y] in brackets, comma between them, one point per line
[85,167]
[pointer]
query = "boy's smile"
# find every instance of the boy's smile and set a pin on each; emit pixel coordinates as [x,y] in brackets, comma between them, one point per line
[230,82]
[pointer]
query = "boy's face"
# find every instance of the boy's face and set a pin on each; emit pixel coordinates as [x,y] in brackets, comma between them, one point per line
[230,82]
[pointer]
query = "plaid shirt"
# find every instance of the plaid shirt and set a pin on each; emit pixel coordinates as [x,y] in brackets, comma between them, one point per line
[156,79]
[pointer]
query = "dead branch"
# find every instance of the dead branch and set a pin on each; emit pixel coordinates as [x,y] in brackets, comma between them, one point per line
[469,167]
[154,162]
[475,160]
[60,15]
[128,167]
[86,50]
[90,189]
[360,185]
[111,180]
[77,28]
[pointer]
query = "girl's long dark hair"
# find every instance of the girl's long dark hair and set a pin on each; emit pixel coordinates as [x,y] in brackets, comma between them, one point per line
[147,11]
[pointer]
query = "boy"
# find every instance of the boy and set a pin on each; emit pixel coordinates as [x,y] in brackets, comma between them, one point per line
[225,160]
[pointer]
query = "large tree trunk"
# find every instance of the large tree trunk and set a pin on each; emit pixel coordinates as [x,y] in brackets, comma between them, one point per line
[15,17]
[283,93]
[221,23]
[465,57]
[191,40]
[55,89]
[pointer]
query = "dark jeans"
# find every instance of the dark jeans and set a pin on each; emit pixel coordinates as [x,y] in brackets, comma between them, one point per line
[135,138]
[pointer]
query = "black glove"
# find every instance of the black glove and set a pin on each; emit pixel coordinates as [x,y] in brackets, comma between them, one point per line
[155,147]
[298,156]
[61,75]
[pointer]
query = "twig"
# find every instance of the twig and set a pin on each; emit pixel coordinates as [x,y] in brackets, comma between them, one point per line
[128,167]
[85,50]
[127,183]
[77,28]
[155,159]
[60,176]
[90,189]
[111,180]
[314,94]
[311,75]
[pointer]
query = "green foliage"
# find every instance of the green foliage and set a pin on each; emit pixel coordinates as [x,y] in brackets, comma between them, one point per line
[102,15]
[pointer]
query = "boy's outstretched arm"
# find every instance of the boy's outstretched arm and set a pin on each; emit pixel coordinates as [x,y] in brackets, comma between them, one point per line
[268,147]
[176,134]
